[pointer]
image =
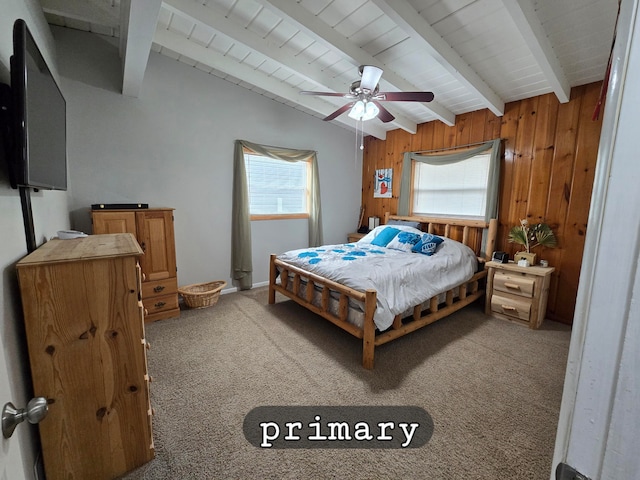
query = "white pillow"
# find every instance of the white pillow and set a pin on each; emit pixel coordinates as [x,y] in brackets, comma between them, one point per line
[404,241]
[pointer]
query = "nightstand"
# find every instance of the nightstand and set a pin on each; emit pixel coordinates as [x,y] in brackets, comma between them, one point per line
[518,294]
[354,237]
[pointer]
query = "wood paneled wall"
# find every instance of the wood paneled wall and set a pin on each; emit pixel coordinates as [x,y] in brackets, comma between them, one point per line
[546,174]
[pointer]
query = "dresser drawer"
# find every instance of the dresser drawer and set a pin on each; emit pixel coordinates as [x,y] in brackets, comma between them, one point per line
[513,283]
[159,287]
[160,303]
[511,307]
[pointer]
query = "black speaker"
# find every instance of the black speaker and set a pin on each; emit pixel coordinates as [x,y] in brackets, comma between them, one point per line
[119,206]
[500,257]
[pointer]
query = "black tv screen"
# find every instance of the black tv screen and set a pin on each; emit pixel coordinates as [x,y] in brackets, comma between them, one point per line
[39,118]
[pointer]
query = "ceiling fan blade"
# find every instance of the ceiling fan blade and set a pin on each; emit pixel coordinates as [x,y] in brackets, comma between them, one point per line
[405,96]
[338,112]
[325,94]
[384,115]
[370,77]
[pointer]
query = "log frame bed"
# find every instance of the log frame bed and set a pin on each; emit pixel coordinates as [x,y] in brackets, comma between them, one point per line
[468,232]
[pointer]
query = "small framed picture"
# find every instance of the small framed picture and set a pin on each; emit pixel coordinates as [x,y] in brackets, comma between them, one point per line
[382,183]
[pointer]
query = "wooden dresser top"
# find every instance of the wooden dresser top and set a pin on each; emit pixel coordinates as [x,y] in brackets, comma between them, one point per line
[86,248]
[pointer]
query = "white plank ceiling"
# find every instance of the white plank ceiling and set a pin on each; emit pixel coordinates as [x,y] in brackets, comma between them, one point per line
[472,54]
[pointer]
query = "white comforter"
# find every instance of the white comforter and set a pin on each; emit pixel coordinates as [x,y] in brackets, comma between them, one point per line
[401,280]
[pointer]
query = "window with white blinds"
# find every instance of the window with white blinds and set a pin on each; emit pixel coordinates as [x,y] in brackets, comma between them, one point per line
[455,189]
[277,187]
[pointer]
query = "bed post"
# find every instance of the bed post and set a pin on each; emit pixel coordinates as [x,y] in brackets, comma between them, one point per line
[491,238]
[272,279]
[369,330]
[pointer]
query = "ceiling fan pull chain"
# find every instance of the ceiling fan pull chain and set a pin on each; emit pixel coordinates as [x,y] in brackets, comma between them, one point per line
[355,151]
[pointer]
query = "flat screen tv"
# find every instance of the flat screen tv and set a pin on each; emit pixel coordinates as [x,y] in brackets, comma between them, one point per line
[38,157]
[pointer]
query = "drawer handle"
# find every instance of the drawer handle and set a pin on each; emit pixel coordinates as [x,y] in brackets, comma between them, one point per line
[159,288]
[509,307]
[512,285]
[159,304]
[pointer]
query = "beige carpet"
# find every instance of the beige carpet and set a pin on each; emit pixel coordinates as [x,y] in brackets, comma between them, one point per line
[492,388]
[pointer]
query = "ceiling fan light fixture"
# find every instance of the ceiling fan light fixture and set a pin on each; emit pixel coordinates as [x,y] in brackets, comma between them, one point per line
[357,111]
[364,95]
[364,111]
[371,110]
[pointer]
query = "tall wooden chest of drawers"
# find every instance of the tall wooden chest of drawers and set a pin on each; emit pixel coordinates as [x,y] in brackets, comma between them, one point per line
[153,229]
[517,293]
[87,350]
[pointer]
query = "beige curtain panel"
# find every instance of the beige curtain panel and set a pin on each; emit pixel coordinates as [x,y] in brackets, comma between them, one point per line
[241,262]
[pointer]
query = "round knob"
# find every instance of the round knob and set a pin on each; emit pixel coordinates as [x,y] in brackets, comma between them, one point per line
[34,412]
[37,409]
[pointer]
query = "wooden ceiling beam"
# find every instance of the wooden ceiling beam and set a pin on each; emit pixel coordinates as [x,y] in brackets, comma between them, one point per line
[249,75]
[329,37]
[286,58]
[403,14]
[523,14]
[138,25]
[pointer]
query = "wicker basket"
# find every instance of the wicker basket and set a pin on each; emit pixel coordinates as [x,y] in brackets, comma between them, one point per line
[201,295]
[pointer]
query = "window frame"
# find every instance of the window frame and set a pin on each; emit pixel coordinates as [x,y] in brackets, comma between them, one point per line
[445,155]
[280,216]
[412,193]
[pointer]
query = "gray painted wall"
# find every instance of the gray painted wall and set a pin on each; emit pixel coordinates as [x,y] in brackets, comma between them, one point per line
[173,147]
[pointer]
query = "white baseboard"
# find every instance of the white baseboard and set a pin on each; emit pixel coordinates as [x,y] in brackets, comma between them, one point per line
[235,289]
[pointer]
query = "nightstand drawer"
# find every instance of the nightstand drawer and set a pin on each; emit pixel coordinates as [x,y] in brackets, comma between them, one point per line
[515,284]
[511,307]
[354,237]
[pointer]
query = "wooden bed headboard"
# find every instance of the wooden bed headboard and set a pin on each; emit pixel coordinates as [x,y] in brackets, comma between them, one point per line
[468,232]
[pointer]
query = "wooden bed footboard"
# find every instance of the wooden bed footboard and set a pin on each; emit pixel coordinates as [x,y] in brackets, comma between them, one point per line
[313,281]
[454,299]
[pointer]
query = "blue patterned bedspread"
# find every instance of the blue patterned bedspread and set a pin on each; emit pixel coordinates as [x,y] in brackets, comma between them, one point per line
[401,279]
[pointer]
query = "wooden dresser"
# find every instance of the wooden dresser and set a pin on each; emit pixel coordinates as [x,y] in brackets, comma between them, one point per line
[87,350]
[153,228]
[517,293]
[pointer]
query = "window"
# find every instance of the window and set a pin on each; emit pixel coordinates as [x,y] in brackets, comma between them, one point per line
[277,188]
[454,189]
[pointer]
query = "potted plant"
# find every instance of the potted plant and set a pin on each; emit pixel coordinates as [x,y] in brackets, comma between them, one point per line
[531,236]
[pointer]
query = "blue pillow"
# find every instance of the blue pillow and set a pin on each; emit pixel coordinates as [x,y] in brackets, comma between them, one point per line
[427,244]
[404,241]
[385,236]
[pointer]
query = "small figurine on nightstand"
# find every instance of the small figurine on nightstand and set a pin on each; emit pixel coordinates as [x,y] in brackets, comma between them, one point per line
[531,237]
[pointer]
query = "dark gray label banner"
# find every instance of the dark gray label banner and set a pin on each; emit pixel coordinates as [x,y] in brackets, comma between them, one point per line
[338,427]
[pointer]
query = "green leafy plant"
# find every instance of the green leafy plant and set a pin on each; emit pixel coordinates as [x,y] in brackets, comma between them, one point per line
[530,236]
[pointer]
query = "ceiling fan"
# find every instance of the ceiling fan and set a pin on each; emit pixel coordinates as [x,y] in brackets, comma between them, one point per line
[366,97]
